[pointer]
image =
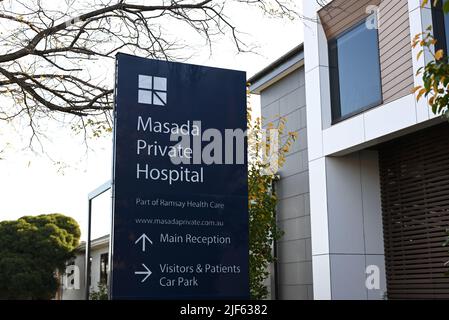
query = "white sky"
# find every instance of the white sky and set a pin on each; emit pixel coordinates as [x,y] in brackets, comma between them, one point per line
[30,184]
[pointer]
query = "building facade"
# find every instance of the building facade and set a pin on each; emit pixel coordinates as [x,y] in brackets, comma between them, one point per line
[364,192]
[73,285]
[282,90]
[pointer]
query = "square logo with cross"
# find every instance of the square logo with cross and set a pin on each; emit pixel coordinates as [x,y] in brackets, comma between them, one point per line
[152,90]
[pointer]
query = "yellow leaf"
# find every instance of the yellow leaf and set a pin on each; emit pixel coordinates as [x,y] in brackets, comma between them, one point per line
[420,93]
[419,54]
[439,54]
[416,89]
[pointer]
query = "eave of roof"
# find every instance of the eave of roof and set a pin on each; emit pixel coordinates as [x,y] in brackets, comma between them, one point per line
[104,240]
[279,68]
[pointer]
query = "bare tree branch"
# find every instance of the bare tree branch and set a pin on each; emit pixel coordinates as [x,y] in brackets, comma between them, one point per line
[48,50]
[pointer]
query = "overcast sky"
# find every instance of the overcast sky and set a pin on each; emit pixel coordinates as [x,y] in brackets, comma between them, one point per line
[30,184]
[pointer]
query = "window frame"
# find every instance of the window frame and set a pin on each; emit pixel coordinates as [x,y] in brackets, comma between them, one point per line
[336,116]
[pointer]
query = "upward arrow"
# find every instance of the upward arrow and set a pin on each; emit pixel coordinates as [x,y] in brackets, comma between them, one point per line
[144,238]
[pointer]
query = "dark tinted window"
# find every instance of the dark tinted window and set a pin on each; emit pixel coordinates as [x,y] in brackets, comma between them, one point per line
[440,26]
[354,71]
[104,261]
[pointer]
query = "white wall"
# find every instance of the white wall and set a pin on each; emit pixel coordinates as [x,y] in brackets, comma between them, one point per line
[355,224]
[71,293]
[286,98]
[317,79]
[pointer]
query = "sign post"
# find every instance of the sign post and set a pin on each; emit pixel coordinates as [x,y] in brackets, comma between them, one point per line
[180,197]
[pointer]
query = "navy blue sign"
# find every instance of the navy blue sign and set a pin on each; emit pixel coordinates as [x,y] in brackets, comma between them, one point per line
[180,221]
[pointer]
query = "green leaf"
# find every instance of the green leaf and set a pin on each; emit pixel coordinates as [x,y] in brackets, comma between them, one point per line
[446,6]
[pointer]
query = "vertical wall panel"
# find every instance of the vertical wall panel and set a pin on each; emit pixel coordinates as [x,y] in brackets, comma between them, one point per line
[395,50]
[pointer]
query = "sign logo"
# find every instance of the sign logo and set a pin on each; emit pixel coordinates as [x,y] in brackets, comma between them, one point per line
[152,90]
